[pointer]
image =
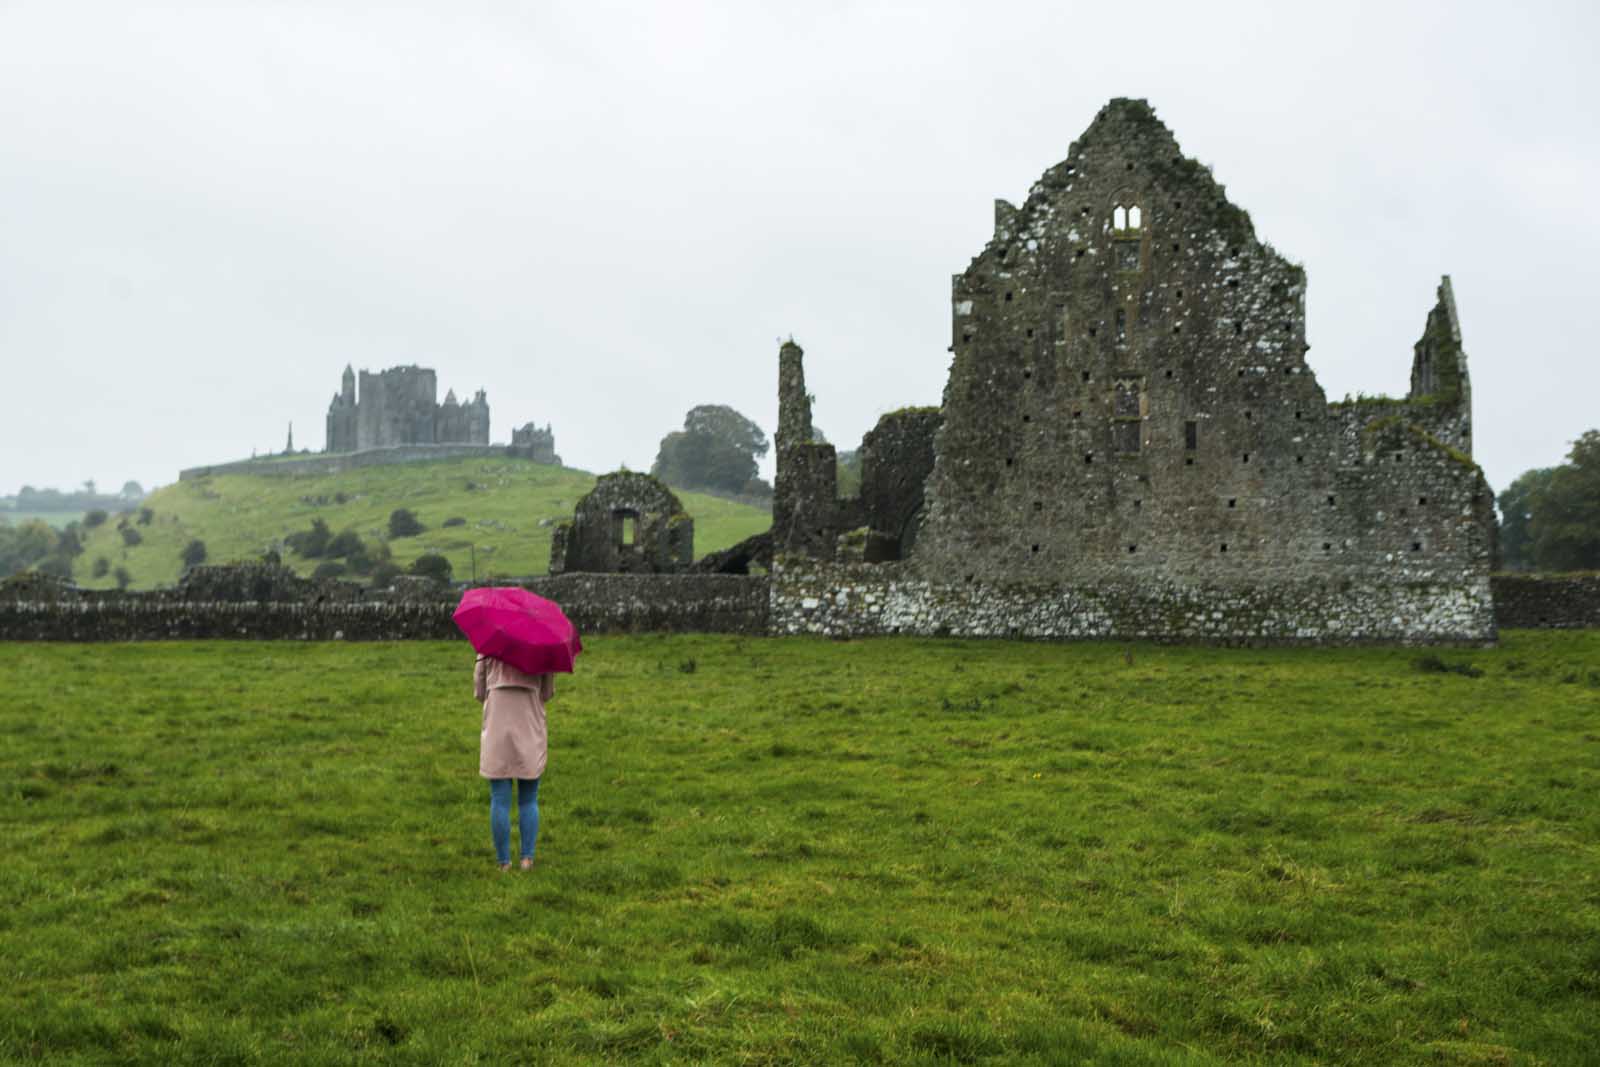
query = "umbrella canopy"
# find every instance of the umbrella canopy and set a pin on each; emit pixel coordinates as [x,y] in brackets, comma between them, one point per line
[527,631]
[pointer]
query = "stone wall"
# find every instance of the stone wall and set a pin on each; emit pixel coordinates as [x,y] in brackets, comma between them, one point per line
[628,523]
[896,459]
[814,597]
[333,463]
[597,604]
[1549,601]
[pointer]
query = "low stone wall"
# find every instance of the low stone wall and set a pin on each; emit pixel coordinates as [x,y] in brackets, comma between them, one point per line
[596,603]
[334,462]
[861,600]
[1559,601]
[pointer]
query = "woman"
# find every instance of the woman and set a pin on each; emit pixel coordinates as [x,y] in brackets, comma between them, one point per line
[512,746]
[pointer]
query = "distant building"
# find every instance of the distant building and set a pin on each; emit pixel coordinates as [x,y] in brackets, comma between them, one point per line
[399,406]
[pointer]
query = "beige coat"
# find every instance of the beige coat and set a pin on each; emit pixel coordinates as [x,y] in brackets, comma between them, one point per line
[513,741]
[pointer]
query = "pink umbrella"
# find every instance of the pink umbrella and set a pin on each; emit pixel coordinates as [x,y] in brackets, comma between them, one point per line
[527,631]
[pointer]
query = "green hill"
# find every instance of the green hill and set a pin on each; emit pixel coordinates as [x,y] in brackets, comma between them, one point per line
[509,508]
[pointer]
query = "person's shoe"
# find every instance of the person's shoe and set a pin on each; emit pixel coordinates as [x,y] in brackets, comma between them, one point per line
[527,863]
[504,867]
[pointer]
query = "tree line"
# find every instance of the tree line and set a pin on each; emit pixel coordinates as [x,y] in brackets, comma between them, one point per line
[1550,516]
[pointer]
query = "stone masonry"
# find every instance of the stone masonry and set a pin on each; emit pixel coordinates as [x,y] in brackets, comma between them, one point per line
[1132,441]
[399,407]
[629,523]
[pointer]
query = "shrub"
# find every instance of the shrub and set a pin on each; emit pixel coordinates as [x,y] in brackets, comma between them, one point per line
[431,565]
[124,579]
[145,515]
[330,568]
[384,574]
[454,520]
[346,543]
[402,523]
[194,553]
[102,567]
[97,517]
[131,537]
[312,543]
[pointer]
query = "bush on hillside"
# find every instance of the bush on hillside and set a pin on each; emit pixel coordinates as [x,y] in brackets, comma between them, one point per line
[402,523]
[101,568]
[124,579]
[345,544]
[431,565]
[97,517]
[454,520]
[384,574]
[131,537]
[194,553]
[330,568]
[312,543]
[145,515]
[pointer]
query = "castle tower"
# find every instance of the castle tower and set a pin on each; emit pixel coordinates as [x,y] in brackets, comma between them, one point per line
[805,505]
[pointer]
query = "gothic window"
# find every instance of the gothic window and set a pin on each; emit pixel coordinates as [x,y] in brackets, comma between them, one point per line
[1122,327]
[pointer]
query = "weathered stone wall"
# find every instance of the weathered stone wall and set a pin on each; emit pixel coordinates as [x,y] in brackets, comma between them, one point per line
[896,459]
[1546,601]
[815,597]
[597,604]
[806,515]
[333,463]
[629,523]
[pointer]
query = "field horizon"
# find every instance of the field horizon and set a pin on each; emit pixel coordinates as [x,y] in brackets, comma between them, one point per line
[795,851]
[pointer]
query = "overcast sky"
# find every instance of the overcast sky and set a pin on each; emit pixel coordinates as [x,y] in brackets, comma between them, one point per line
[606,213]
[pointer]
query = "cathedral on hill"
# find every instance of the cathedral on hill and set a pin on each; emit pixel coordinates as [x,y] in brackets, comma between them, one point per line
[399,406]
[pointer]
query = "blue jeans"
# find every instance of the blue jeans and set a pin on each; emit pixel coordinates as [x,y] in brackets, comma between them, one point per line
[500,816]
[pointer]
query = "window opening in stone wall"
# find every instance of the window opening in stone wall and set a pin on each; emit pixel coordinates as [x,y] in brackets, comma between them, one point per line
[1191,436]
[627,527]
[1132,549]
[1238,329]
[1422,500]
[1088,457]
[1416,546]
[1247,457]
[1127,412]
[1224,546]
[1232,501]
[1122,326]
[1008,296]
[1327,546]
[1119,218]
[1330,501]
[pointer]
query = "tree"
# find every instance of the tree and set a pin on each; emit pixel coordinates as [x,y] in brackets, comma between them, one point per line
[97,517]
[312,543]
[1516,503]
[431,565]
[402,523]
[101,568]
[716,449]
[345,544]
[1564,515]
[124,579]
[130,536]
[194,554]
[724,423]
[131,491]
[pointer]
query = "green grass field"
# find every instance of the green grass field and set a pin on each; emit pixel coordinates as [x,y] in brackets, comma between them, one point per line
[510,507]
[795,851]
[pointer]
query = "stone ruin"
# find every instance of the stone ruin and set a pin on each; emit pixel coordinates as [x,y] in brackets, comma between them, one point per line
[629,523]
[400,406]
[530,442]
[1132,443]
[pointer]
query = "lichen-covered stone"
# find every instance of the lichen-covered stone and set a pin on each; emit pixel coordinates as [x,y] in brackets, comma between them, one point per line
[629,523]
[1129,408]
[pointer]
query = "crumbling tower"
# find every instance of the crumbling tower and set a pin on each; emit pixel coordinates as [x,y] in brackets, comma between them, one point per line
[805,508]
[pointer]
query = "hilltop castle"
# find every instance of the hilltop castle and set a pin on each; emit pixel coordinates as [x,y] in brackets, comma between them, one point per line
[399,407]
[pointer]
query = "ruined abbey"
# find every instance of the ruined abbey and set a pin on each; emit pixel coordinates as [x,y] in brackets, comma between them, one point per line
[400,406]
[1132,443]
